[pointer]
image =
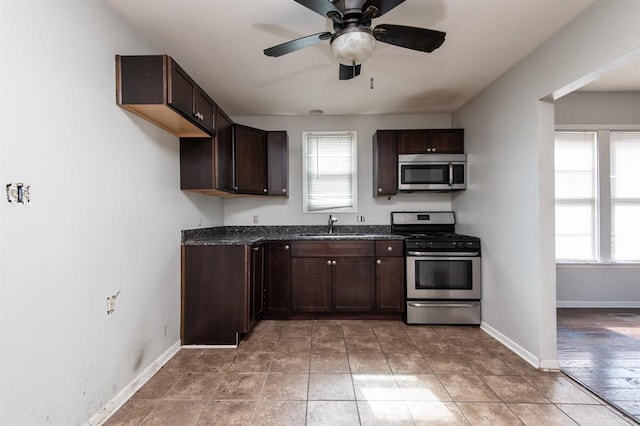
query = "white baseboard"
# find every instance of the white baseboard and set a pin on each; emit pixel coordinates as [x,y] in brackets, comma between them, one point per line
[598,304]
[123,396]
[534,361]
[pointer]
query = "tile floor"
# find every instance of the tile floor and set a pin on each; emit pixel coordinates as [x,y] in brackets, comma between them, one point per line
[600,348]
[360,372]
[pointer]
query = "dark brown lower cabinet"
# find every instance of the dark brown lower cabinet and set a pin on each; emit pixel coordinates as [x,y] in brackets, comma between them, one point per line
[390,273]
[278,279]
[222,292]
[332,276]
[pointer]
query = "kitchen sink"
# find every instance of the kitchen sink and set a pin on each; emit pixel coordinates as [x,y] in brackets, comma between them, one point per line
[327,236]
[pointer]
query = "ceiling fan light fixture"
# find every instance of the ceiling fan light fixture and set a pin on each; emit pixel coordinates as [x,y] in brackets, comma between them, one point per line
[353,45]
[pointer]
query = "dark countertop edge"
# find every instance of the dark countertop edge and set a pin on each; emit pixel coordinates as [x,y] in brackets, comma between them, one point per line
[248,235]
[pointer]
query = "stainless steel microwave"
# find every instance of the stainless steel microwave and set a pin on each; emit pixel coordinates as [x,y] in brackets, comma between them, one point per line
[432,172]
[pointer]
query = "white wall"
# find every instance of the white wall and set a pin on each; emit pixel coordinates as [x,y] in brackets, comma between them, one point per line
[582,285]
[105,216]
[509,135]
[288,211]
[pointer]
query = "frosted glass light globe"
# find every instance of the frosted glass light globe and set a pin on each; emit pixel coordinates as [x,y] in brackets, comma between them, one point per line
[354,44]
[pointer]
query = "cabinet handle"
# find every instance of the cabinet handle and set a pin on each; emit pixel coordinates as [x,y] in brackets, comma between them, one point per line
[333,263]
[389,248]
[329,262]
[286,247]
[378,262]
[284,189]
[255,248]
[379,189]
[433,150]
[264,190]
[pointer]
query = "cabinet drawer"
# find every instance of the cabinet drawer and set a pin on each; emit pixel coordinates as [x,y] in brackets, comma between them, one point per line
[332,248]
[389,248]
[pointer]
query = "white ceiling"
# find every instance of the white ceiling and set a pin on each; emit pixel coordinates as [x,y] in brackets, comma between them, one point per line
[220,43]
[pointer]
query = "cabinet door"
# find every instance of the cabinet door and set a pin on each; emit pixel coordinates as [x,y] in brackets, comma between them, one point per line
[353,284]
[250,160]
[385,163]
[413,142]
[181,90]
[278,278]
[277,164]
[205,110]
[257,283]
[390,284]
[310,284]
[447,141]
[214,294]
[224,152]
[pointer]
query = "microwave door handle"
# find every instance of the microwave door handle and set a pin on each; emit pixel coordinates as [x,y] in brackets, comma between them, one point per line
[450,174]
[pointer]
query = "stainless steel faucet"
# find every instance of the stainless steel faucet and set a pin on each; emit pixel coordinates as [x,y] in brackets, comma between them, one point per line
[332,220]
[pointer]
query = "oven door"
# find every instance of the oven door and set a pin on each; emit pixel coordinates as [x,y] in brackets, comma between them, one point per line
[443,275]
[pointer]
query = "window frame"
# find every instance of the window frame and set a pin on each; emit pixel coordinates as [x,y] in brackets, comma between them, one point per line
[603,188]
[354,172]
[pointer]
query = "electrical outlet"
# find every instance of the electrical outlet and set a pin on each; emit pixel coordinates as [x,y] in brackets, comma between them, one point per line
[111,303]
[360,219]
[256,218]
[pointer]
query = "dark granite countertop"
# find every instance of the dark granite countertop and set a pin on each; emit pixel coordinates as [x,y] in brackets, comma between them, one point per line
[241,235]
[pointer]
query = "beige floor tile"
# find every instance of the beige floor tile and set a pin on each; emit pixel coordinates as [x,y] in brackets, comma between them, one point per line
[182,361]
[593,415]
[246,386]
[297,329]
[158,386]
[376,387]
[132,413]
[467,388]
[540,414]
[328,344]
[332,413]
[421,387]
[329,363]
[286,386]
[488,365]
[384,413]
[171,413]
[361,330]
[436,413]
[290,363]
[195,386]
[364,362]
[331,387]
[559,389]
[408,363]
[433,346]
[327,330]
[514,389]
[279,413]
[251,362]
[227,413]
[397,345]
[389,330]
[362,344]
[489,414]
[448,364]
[213,362]
[292,344]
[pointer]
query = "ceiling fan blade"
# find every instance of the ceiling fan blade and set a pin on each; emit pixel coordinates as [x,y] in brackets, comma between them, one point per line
[297,44]
[322,7]
[348,72]
[413,38]
[383,6]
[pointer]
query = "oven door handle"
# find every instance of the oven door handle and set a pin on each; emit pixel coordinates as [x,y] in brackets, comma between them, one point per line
[444,305]
[450,174]
[446,254]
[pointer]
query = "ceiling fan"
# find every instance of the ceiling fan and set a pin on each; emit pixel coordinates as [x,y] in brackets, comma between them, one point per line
[354,40]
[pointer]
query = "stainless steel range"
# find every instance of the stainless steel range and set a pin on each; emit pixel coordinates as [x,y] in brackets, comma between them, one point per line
[443,269]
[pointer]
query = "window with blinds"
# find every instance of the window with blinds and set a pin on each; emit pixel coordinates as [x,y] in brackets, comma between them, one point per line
[625,195]
[329,172]
[576,196]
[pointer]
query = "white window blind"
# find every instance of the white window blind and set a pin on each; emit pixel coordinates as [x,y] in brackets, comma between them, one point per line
[329,175]
[625,195]
[575,196]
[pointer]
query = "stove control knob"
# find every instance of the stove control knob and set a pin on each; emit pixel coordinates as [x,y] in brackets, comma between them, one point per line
[469,245]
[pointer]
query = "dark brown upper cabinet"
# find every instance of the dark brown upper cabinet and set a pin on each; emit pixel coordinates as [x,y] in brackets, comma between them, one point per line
[250,160]
[277,163]
[157,89]
[431,141]
[385,163]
